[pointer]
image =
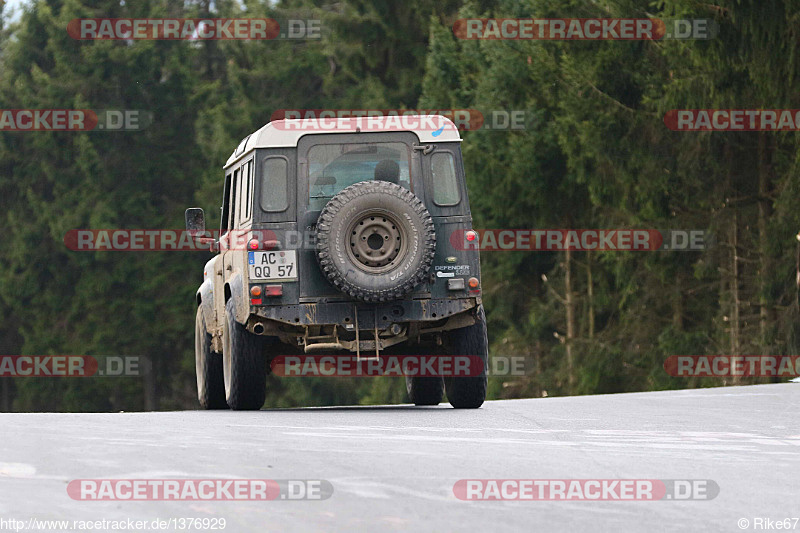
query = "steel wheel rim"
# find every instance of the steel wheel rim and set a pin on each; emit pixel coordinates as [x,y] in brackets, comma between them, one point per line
[376,243]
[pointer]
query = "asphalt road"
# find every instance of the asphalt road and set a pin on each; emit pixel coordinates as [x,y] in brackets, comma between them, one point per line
[394,467]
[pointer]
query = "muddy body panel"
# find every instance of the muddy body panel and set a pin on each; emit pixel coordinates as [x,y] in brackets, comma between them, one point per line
[271,261]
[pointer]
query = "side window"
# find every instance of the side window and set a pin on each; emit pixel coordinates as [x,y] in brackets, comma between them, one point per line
[244,193]
[248,191]
[274,185]
[234,199]
[445,183]
[226,206]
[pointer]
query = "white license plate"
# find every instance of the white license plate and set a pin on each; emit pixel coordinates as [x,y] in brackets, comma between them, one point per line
[272,265]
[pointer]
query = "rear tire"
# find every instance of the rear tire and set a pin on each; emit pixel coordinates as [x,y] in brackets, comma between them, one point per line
[208,368]
[425,390]
[469,392]
[245,364]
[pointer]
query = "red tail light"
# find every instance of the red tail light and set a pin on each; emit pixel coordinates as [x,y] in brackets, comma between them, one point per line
[273,290]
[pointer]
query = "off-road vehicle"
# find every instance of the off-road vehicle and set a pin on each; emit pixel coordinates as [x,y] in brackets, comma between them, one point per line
[346,237]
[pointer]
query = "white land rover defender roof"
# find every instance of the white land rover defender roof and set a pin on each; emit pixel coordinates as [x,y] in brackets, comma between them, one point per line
[286,133]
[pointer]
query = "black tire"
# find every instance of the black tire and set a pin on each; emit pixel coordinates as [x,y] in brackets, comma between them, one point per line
[469,392]
[208,368]
[424,390]
[389,268]
[245,364]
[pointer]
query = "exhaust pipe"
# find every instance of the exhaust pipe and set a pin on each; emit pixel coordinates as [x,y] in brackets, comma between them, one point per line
[258,329]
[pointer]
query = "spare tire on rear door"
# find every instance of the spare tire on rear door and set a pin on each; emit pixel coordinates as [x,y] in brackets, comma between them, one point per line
[375,241]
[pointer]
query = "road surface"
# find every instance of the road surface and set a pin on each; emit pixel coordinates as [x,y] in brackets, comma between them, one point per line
[393,468]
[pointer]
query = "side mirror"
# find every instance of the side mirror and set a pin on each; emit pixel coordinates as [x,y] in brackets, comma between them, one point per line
[195,220]
[196,226]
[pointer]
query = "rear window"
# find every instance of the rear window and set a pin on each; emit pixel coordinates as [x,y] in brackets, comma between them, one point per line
[274,184]
[445,184]
[333,167]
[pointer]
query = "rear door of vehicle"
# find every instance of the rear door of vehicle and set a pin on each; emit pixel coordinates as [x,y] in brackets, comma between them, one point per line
[313,284]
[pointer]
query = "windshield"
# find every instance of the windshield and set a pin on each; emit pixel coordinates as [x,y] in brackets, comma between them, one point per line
[333,167]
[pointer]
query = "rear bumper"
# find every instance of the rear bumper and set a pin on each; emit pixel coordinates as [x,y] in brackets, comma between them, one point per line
[367,316]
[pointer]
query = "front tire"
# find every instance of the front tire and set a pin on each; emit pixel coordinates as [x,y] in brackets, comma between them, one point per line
[245,365]
[469,392]
[208,368]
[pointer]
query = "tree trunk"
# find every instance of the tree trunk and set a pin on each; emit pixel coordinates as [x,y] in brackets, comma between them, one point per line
[5,395]
[677,304]
[570,305]
[734,287]
[590,293]
[149,384]
[766,309]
